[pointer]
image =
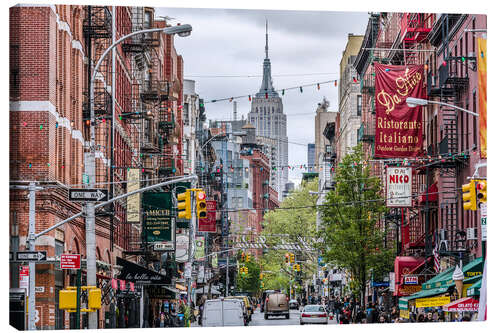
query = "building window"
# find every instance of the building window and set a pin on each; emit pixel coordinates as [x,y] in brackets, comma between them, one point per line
[359,104]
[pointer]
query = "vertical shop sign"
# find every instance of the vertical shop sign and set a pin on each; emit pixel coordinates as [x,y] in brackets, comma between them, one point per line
[482,87]
[133,201]
[398,128]
[158,217]
[209,224]
[399,185]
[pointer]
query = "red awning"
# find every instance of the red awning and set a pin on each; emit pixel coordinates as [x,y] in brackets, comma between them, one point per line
[433,195]
[463,304]
[404,266]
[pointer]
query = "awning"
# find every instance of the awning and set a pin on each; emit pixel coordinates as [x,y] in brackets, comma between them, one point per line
[462,304]
[475,289]
[445,279]
[404,266]
[174,291]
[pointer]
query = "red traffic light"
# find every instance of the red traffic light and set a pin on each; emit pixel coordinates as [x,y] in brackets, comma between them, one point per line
[201,195]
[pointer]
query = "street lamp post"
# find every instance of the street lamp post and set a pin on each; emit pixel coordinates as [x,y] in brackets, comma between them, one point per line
[181,30]
[414,102]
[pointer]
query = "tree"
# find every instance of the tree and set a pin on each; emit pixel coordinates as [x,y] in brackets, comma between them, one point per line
[294,222]
[352,239]
[249,282]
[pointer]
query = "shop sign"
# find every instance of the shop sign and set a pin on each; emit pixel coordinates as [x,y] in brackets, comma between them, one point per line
[392,281]
[139,274]
[466,304]
[399,185]
[408,289]
[133,201]
[24,277]
[122,285]
[158,216]
[398,129]
[404,314]
[432,302]
[411,279]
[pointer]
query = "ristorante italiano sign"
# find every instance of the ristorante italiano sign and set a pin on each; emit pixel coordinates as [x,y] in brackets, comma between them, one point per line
[398,128]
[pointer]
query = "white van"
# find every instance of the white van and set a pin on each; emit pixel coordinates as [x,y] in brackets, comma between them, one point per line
[223,312]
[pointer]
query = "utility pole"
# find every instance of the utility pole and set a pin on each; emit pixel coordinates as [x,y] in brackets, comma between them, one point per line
[32,267]
[191,241]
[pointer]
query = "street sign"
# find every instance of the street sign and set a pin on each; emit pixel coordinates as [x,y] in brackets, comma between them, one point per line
[169,246]
[24,277]
[88,194]
[70,261]
[31,256]
[483,221]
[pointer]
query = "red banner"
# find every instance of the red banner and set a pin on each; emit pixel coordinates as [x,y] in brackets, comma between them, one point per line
[398,128]
[122,285]
[209,224]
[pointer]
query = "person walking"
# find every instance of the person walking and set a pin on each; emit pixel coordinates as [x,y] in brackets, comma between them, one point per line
[161,321]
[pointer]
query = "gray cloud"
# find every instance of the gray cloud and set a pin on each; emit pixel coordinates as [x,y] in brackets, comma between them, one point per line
[231,42]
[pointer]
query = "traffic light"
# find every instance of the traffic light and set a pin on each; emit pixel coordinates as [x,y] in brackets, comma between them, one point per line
[248,258]
[481,190]
[184,205]
[469,196]
[298,268]
[242,256]
[201,205]
[292,257]
[261,276]
[287,257]
[246,270]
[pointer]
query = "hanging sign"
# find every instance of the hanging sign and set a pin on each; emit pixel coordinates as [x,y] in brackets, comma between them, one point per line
[139,274]
[181,248]
[199,251]
[399,185]
[398,128]
[411,279]
[158,217]
[133,201]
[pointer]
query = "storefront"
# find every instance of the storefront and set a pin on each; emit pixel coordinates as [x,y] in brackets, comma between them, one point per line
[440,293]
[156,295]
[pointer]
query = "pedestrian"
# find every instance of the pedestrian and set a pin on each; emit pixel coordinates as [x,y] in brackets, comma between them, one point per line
[394,313]
[466,318]
[381,319]
[161,321]
[421,318]
[429,317]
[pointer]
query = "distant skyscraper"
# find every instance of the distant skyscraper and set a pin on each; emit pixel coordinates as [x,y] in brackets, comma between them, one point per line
[310,157]
[268,118]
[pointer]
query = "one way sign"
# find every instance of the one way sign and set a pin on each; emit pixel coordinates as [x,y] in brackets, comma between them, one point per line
[31,256]
[88,194]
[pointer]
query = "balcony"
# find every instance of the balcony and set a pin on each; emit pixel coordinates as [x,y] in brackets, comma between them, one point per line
[366,134]
[415,27]
[454,72]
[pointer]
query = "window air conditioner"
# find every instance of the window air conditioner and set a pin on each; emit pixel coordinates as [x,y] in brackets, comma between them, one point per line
[471,234]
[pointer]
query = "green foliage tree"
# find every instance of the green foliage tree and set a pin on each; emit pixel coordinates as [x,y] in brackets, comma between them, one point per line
[297,220]
[352,239]
[249,282]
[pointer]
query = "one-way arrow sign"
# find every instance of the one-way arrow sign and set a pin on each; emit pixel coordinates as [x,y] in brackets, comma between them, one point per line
[31,256]
[88,194]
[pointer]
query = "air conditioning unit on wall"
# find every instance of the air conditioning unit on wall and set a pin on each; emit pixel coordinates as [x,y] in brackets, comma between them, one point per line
[471,233]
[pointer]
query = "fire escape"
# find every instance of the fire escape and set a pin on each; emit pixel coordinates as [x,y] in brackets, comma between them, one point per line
[453,80]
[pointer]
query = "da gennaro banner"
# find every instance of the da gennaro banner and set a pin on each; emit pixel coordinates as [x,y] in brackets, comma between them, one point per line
[398,128]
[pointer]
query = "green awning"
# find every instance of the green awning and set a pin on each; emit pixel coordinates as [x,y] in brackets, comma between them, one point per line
[445,279]
[403,303]
[475,289]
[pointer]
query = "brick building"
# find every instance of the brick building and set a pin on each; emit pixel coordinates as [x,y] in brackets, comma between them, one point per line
[446,45]
[50,49]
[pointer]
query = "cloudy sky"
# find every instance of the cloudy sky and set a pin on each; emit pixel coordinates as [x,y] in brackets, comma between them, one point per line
[304,48]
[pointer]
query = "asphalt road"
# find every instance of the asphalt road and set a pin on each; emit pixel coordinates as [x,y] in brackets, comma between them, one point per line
[258,319]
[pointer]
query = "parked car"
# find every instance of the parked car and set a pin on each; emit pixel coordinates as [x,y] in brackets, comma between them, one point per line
[277,305]
[293,304]
[223,312]
[248,307]
[313,314]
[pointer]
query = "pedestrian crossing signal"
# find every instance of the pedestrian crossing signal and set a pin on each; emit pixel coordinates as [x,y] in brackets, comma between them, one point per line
[481,191]
[201,205]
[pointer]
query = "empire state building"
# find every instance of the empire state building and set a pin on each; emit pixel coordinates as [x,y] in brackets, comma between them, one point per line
[269,121]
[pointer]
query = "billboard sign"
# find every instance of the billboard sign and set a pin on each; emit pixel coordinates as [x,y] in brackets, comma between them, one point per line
[399,186]
[199,251]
